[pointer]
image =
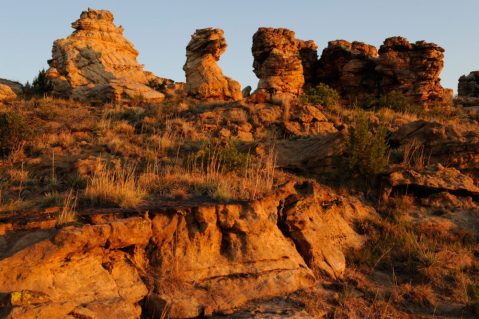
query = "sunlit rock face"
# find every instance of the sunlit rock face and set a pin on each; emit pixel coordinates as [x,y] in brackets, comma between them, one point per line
[97,61]
[204,78]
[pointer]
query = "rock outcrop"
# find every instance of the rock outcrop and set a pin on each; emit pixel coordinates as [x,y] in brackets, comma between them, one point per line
[412,69]
[431,180]
[281,62]
[185,261]
[468,89]
[204,78]
[97,62]
[359,71]
[349,68]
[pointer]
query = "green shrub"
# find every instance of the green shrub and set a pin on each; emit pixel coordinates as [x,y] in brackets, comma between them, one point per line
[41,86]
[13,132]
[157,85]
[366,148]
[321,94]
[224,158]
[394,100]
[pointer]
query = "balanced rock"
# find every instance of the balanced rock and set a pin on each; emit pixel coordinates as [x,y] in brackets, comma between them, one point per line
[204,78]
[97,59]
[281,62]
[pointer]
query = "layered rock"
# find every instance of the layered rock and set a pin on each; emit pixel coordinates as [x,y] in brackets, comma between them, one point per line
[349,68]
[281,62]
[468,89]
[204,78]
[412,69]
[359,71]
[183,261]
[97,62]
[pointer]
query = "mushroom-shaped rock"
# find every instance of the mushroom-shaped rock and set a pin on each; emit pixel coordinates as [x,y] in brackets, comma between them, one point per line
[204,78]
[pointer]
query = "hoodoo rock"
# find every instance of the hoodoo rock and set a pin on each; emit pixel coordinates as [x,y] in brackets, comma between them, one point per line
[358,70]
[204,78]
[281,62]
[97,62]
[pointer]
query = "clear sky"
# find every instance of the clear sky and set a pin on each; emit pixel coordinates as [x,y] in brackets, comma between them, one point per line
[160,30]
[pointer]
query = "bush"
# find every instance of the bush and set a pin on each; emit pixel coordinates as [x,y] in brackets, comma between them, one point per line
[367,150]
[321,94]
[40,87]
[393,100]
[157,86]
[13,132]
[223,158]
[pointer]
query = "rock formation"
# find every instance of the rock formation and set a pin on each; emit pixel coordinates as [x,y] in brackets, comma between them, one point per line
[193,260]
[6,93]
[468,89]
[412,69]
[204,78]
[97,62]
[349,68]
[469,85]
[359,71]
[281,62]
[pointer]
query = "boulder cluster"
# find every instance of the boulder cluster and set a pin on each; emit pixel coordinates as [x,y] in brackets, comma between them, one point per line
[357,70]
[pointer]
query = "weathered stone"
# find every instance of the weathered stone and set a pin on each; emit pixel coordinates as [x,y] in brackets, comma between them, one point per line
[359,71]
[16,87]
[349,68]
[97,62]
[204,78]
[412,69]
[6,93]
[281,62]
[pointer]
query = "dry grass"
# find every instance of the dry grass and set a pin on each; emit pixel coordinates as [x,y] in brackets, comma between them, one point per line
[68,214]
[115,186]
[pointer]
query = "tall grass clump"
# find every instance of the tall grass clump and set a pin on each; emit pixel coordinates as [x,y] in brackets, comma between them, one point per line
[115,186]
[14,132]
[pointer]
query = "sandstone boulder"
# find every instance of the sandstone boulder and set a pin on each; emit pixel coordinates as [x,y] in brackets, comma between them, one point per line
[16,87]
[281,62]
[468,90]
[204,78]
[97,62]
[431,180]
[6,93]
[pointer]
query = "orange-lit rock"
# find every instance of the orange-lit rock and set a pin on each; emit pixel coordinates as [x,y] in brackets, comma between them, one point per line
[204,78]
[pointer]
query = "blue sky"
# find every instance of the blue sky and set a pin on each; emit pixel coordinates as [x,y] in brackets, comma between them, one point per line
[161,30]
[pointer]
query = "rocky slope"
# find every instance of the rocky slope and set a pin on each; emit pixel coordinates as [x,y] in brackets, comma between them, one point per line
[204,78]
[96,62]
[184,260]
